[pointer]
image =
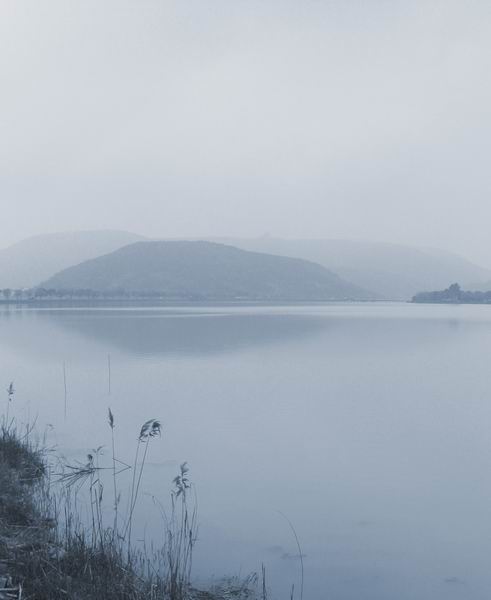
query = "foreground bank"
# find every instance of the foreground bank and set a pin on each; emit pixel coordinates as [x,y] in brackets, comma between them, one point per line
[48,553]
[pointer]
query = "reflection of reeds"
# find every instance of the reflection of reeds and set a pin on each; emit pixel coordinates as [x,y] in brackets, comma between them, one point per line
[109,374]
[64,389]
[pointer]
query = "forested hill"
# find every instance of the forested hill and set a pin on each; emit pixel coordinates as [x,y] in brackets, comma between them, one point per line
[205,270]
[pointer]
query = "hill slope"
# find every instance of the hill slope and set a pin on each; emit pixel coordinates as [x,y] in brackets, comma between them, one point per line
[392,271]
[30,261]
[206,270]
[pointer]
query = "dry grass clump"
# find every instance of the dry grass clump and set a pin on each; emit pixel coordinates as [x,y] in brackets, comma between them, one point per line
[22,527]
[18,453]
[21,467]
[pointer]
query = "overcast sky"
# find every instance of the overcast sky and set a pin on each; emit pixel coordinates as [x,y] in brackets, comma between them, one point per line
[308,118]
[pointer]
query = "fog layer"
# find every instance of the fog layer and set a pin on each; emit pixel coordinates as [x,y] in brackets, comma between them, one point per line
[303,119]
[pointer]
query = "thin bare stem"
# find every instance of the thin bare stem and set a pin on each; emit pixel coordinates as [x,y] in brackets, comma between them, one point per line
[300,554]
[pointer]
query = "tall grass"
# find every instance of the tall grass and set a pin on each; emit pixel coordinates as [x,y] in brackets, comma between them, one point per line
[170,568]
[62,554]
[10,397]
[180,535]
[53,552]
[149,430]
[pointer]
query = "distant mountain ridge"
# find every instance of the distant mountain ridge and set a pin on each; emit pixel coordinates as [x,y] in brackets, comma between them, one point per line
[30,261]
[391,271]
[207,271]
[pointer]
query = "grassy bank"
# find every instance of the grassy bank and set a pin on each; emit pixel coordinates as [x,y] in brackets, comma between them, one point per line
[47,551]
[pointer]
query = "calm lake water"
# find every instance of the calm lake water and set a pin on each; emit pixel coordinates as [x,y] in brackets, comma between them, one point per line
[368,425]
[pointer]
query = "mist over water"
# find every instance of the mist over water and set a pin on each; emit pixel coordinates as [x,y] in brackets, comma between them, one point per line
[367,425]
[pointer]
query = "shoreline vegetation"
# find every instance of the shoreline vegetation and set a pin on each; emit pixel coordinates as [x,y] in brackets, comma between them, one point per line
[454,294]
[40,294]
[48,551]
[52,296]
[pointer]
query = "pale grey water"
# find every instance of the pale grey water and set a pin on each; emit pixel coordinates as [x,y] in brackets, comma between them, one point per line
[368,425]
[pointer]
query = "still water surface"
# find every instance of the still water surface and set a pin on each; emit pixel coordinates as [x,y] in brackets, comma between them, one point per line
[368,425]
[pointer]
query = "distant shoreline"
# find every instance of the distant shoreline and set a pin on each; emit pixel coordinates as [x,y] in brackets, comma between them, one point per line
[454,294]
[180,302]
[450,302]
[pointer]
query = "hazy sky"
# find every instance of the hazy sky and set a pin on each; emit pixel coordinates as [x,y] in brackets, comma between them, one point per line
[308,118]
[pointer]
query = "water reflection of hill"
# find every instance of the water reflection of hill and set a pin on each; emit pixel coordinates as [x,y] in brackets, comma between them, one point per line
[190,333]
[370,329]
